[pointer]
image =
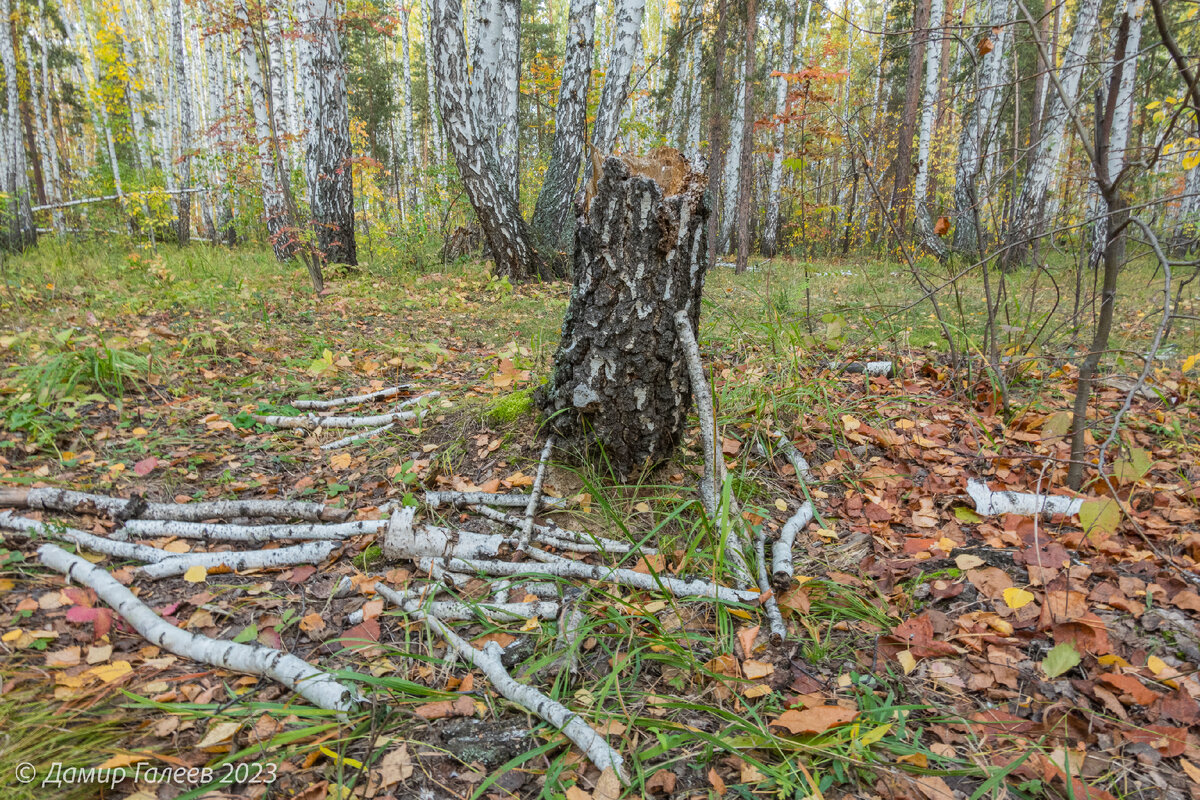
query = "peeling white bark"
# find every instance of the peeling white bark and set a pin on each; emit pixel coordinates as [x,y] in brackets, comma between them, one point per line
[561,537]
[535,493]
[402,539]
[382,394]
[992,503]
[799,463]
[783,568]
[410,601]
[308,553]
[775,621]
[314,685]
[311,421]
[460,499]
[97,544]
[258,534]
[48,499]
[355,438]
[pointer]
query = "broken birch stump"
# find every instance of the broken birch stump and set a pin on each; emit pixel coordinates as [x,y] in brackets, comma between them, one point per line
[620,383]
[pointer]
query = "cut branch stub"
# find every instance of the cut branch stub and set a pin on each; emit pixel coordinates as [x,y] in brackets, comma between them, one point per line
[620,382]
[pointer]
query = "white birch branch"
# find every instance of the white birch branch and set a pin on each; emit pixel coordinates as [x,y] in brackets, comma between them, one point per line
[313,421]
[307,553]
[97,544]
[714,463]
[460,499]
[314,685]
[410,602]
[246,533]
[381,394]
[355,438]
[565,568]
[593,745]
[561,537]
[404,540]
[783,569]
[992,503]
[799,463]
[774,618]
[535,493]
[48,499]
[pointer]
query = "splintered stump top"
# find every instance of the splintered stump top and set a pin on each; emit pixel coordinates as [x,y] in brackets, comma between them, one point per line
[620,384]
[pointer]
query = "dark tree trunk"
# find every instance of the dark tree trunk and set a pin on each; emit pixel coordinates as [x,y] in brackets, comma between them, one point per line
[908,119]
[620,389]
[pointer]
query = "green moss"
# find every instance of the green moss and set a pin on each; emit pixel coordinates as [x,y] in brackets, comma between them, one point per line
[510,406]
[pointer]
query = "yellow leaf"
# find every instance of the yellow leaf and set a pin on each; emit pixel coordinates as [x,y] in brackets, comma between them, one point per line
[110,672]
[340,461]
[531,624]
[220,733]
[1017,598]
[350,762]
[1111,659]
[1156,664]
[1191,360]
[642,507]
[907,661]
[12,635]
[781,504]
[196,574]
[875,734]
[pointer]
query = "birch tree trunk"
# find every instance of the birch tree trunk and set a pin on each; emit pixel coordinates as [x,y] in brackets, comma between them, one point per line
[327,137]
[770,238]
[183,204]
[933,74]
[733,166]
[693,127]
[1132,11]
[746,189]
[507,233]
[973,140]
[716,126]
[19,231]
[436,136]
[553,223]
[47,142]
[620,382]
[280,224]
[410,142]
[627,22]
[217,101]
[902,164]
[494,82]
[1028,218]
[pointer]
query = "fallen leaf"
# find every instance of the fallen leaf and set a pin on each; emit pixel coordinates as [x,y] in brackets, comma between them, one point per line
[817,719]
[1017,598]
[196,574]
[663,782]
[1062,658]
[218,734]
[145,466]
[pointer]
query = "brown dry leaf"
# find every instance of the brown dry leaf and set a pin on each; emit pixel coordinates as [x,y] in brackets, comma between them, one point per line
[608,786]
[340,461]
[396,766]
[67,657]
[312,623]
[814,720]
[1191,769]
[746,637]
[219,734]
[575,793]
[462,706]
[662,782]
[757,669]
[730,446]
[1131,686]
[717,784]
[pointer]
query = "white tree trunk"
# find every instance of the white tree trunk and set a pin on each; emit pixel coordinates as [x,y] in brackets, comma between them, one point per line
[627,24]
[436,135]
[278,218]
[553,222]
[183,204]
[494,81]
[507,233]
[733,160]
[1028,218]
[19,231]
[770,238]
[412,185]
[218,101]
[327,135]
[39,101]
[1122,121]
[692,147]
[973,140]
[933,74]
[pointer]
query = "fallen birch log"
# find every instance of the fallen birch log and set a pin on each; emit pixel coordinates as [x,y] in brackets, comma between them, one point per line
[410,602]
[565,568]
[402,539]
[775,621]
[992,503]
[97,544]
[873,369]
[48,499]
[714,462]
[584,736]
[783,569]
[381,394]
[256,534]
[318,687]
[313,421]
[561,537]
[307,553]
[460,499]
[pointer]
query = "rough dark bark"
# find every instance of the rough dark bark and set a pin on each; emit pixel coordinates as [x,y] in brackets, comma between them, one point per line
[903,165]
[620,384]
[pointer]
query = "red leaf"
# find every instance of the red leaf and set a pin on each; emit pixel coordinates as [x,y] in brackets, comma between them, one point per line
[145,466]
[362,635]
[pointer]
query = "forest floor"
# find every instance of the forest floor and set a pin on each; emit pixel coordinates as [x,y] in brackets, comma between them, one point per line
[933,653]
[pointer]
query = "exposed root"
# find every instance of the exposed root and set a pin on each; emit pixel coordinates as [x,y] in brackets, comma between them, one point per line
[318,687]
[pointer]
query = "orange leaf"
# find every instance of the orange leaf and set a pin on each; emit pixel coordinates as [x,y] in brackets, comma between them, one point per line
[814,720]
